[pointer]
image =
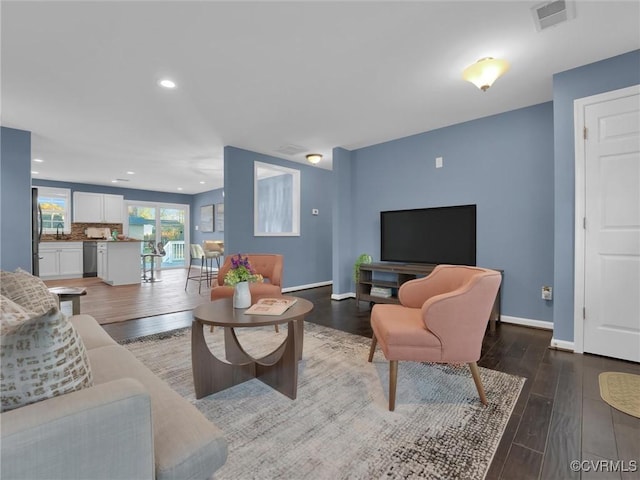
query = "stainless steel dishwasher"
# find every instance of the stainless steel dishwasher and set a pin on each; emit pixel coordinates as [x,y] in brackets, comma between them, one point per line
[90,259]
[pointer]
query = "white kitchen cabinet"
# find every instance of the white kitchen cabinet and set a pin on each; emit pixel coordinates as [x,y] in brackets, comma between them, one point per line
[119,262]
[97,207]
[103,273]
[61,260]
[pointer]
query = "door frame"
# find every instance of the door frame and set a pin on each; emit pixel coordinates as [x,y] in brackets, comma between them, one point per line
[158,205]
[579,107]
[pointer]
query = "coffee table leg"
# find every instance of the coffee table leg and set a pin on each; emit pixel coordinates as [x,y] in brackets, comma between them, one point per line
[232,348]
[211,375]
[283,374]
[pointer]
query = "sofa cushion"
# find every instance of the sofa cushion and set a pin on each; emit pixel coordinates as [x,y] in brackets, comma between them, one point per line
[42,357]
[27,291]
[186,444]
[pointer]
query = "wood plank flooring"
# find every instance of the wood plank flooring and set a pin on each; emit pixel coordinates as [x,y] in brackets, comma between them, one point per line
[127,302]
[558,418]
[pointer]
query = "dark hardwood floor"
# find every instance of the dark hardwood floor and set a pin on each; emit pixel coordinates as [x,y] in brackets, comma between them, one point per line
[558,418]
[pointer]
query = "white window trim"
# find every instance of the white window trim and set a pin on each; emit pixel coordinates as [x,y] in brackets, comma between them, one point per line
[58,192]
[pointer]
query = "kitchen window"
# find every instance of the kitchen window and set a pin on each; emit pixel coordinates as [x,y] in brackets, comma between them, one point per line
[55,204]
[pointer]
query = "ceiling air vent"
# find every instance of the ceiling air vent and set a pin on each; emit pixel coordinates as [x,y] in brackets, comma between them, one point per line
[548,14]
[290,149]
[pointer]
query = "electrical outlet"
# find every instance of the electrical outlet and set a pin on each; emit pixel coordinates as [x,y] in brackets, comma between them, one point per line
[547,293]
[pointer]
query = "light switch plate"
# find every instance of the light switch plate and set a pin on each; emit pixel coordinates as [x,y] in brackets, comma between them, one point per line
[439,162]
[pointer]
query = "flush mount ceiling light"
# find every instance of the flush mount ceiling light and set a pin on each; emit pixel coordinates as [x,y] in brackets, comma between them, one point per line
[485,71]
[166,83]
[314,158]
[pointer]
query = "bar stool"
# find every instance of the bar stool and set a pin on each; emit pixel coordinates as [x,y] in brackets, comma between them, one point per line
[196,252]
[152,255]
[212,251]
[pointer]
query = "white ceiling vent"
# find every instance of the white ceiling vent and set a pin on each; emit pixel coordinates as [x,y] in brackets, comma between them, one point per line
[290,149]
[548,14]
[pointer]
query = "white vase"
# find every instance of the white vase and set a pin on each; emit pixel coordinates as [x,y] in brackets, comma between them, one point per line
[241,295]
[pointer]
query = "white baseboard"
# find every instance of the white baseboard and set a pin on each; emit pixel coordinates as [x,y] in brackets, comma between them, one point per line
[342,296]
[527,322]
[563,345]
[304,287]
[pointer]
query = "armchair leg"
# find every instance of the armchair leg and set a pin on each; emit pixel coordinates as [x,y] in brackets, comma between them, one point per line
[475,373]
[393,380]
[374,342]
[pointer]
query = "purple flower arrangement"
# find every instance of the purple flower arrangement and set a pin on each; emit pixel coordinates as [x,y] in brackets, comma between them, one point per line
[241,271]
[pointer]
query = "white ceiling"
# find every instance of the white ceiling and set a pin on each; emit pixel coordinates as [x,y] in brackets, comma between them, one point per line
[81,76]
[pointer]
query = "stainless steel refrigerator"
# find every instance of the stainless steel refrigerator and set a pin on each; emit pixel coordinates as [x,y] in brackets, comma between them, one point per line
[36,232]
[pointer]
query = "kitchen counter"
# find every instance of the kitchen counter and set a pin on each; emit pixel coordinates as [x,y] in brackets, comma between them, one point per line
[119,262]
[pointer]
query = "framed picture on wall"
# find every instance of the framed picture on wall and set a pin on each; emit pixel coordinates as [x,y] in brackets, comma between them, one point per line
[219,217]
[206,218]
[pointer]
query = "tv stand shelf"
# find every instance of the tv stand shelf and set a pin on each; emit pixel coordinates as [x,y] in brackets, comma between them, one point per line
[395,275]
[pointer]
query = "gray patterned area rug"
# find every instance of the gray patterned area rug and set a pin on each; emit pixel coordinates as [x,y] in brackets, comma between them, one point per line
[340,427]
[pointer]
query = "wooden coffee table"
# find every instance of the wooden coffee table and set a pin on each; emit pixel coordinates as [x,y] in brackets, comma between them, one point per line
[278,369]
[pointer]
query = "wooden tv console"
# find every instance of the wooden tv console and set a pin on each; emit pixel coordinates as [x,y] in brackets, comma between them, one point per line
[395,274]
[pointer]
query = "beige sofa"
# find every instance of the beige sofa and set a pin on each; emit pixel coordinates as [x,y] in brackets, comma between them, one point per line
[128,425]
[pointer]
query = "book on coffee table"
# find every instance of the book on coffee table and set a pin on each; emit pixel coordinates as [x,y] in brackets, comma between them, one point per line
[270,306]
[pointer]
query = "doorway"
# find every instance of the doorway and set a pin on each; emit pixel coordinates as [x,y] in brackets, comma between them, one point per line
[160,223]
[607,249]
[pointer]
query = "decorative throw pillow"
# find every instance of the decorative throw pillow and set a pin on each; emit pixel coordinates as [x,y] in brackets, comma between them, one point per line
[41,357]
[27,291]
[11,314]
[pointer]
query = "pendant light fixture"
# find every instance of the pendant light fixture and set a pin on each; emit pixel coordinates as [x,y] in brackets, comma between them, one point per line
[485,71]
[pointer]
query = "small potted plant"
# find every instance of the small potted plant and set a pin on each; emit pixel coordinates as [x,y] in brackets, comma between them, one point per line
[363,258]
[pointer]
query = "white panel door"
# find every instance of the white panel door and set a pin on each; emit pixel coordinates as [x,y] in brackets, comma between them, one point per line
[612,236]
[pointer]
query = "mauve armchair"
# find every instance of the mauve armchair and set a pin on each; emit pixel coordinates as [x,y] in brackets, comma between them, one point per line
[441,318]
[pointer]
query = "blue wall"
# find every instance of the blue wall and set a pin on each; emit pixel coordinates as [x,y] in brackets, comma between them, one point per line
[211,197]
[611,74]
[344,254]
[129,194]
[503,163]
[308,256]
[15,199]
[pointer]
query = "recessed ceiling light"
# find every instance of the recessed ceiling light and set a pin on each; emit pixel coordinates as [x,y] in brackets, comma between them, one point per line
[39,160]
[179,188]
[131,173]
[33,172]
[166,83]
[114,181]
[202,182]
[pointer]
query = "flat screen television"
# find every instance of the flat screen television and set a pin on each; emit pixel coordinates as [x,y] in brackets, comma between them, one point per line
[429,235]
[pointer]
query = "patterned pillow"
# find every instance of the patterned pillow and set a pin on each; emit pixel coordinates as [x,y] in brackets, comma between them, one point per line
[27,291]
[41,357]
[11,314]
